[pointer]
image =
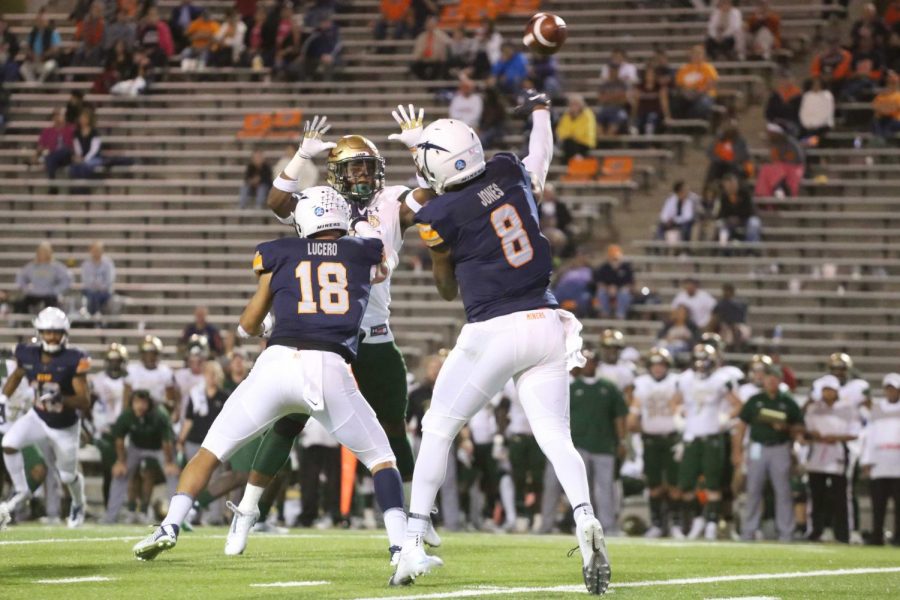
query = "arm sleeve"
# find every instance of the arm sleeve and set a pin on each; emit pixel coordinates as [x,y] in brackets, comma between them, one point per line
[94,150]
[540,146]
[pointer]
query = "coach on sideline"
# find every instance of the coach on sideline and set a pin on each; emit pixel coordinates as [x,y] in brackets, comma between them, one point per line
[774,420]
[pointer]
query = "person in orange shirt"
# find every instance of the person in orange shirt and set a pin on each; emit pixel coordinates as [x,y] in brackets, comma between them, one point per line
[886,121]
[201,33]
[89,31]
[396,15]
[832,65]
[763,31]
[696,82]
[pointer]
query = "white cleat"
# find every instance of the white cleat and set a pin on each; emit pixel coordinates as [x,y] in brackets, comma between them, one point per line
[676,533]
[653,533]
[164,538]
[76,517]
[8,508]
[413,562]
[696,528]
[241,524]
[431,537]
[270,528]
[5,516]
[596,568]
[711,531]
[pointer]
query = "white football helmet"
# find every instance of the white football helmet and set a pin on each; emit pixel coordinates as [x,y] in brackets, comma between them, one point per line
[449,153]
[52,319]
[320,208]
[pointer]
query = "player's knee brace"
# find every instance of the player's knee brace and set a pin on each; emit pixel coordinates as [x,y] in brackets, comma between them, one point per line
[444,426]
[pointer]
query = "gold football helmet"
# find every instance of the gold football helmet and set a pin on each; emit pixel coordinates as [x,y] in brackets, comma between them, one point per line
[659,355]
[355,169]
[705,358]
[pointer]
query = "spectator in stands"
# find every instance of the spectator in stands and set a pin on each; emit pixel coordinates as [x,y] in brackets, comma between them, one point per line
[679,333]
[202,36]
[613,109]
[229,40]
[698,301]
[696,83]
[880,459]
[98,276]
[892,13]
[42,281]
[724,32]
[676,219]
[466,104]
[618,63]
[729,319]
[74,105]
[783,106]
[728,154]
[395,16]
[615,282]
[55,144]
[89,31]
[544,72]
[202,327]
[123,29]
[127,72]
[430,52]
[737,213]
[574,282]
[492,127]
[461,53]
[511,70]
[318,12]
[86,158]
[287,53]
[42,50]
[665,74]
[869,25]
[180,19]
[784,171]
[832,65]
[866,71]
[816,110]
[577,129]
[492,41]
[650,103]
[257,180]
[9,49]
[154,38]
[886,107]
[322,50]
[763,31]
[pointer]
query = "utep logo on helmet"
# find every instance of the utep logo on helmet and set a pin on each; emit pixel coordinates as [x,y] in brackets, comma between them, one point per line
[460,165]
[319,211]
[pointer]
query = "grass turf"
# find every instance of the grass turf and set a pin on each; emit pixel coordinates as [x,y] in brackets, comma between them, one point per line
[355,565]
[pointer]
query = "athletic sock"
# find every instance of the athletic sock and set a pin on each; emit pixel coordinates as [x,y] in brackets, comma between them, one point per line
[15,466]
[273,452]
[416,526]
[250,499]
[179,507]
[656,511]
[76,490]
[582,511]
[403,453]
[389,494]
[508,498]
[712,510]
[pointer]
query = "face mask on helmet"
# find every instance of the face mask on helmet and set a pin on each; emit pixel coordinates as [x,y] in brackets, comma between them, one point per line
[52,328]
[357,179]
[52,340]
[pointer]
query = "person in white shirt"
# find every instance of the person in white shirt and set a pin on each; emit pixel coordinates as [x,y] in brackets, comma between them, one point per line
[816,110]
[831,422]
[627,71]
[724,32]
[230,39]
[699,302]
[191,374]
[881,459]
[466,105]
[677,214]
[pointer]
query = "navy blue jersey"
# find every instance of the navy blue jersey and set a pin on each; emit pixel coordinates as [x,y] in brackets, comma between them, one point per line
[53,380]
[502,261]
[320,290]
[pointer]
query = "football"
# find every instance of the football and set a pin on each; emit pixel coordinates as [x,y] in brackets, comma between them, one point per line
[545,33]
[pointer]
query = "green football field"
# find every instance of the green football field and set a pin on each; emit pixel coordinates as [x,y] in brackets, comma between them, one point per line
[95,562]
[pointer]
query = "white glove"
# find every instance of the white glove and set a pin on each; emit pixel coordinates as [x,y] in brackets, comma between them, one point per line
[410,126]
[267,325]
[310,145]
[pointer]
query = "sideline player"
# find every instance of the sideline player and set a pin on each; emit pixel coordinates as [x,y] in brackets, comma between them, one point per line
[317,286]
[484,236]
[356,171]
[58,375]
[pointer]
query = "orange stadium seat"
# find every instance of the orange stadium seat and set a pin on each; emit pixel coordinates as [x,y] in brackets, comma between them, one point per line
[286,124]
[582,169]
[255,126]
[616,168]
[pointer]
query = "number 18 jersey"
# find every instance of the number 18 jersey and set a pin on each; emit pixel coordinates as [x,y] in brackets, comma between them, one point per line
[320,290]
[502,261]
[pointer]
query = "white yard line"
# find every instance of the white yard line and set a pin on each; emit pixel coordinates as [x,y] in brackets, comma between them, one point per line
[497,591]
[284,584]
[189,536]
[93,579]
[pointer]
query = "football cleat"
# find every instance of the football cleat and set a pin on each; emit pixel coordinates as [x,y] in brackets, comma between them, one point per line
[271,528]
[596,568]
[412,563]
[697,526]
[711,531]
[431,537]
[653,533]
[241,524]
[76,517]
[5,516]
[164,538]
[676,533]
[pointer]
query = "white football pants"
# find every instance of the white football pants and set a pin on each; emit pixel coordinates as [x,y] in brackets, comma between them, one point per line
[30,430]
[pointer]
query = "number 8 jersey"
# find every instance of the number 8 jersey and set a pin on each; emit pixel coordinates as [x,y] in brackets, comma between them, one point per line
[502,261]
[320,290]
